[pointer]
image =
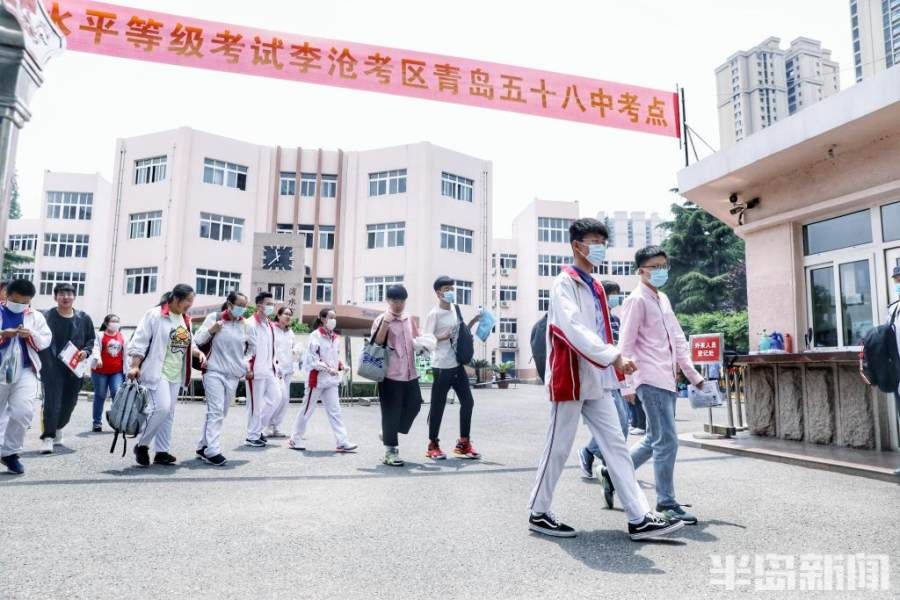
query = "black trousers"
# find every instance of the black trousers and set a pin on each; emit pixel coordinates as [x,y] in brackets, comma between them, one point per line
[444,380]
[400,402]
[60,397]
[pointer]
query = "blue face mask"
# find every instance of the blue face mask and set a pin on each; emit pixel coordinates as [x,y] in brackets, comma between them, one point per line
[237,311]
[450,297]
[897,287]
[596,254]
[659,277]
[614,301]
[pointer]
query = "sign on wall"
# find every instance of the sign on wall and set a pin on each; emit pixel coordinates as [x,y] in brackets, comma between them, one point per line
[706,349]
[139,34]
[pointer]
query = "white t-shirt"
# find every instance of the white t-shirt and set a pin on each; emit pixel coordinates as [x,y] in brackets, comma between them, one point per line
[437,322]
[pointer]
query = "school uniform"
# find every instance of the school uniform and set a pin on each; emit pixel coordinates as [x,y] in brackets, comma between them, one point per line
[322,355]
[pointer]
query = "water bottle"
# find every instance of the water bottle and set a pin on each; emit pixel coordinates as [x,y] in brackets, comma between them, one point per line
[777,341]
[765,341]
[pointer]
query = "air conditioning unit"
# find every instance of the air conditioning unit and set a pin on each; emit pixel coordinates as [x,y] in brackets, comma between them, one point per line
[504,272]
[504,304]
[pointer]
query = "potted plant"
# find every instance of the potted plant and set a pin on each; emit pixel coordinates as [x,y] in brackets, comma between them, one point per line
[481,366]
[502,370]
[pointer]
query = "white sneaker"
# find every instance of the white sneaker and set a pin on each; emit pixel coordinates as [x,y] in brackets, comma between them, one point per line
[47,446]
[348,447]
[58,438]
[637,431]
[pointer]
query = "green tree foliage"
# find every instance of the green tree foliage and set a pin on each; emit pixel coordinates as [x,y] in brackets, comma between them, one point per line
[733,325]
[12,260]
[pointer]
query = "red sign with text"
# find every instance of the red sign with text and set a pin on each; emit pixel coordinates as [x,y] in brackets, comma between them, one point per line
[706,349]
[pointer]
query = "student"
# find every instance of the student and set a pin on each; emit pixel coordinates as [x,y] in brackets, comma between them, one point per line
[109,369]
[61,386]
[24,332]
[443,323]
[287,352]
[323,360]
[581,374]
[228,361]
[160,359]
[592,450]
[263,387]
[400,397]
[652,335]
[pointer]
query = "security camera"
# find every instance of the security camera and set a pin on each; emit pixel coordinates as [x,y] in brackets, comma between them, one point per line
[733,198]
[736,210]
[753,203]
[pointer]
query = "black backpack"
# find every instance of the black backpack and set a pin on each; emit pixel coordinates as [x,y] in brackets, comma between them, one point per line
[539,346]
[464,345]
[881,360]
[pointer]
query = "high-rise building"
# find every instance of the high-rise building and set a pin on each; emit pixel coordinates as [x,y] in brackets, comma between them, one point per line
[875,25]
[757,87]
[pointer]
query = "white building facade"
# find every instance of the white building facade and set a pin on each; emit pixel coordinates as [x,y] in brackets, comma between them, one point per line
[875,27]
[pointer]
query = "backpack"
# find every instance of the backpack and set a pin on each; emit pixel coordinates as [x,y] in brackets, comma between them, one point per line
[880,358]
[539,345]
[464,345]
[127,415]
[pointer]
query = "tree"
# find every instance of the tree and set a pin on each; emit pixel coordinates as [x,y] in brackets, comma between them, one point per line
[706,263]
[12,260]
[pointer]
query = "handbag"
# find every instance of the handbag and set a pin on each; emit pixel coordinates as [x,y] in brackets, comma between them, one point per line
[707,397]
[373,363]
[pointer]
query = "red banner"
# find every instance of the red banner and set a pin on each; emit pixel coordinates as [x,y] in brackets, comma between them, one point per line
[139,34]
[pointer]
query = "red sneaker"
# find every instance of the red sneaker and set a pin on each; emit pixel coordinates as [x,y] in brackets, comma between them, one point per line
[464,449]
[434,451]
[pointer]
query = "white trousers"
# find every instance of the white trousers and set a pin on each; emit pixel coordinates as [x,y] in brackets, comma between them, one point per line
[332,404]
[17,406]
[273,413]
[263,391]
[220,390]
[160,416]
[602,420]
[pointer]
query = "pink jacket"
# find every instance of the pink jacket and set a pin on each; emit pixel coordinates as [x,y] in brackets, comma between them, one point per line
[651,335]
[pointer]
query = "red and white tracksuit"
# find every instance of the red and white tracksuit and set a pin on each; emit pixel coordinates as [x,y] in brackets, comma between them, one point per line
[287,352]
[322,355]
[264,389]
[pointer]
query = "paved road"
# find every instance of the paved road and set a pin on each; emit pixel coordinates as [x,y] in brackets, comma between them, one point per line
[276,523]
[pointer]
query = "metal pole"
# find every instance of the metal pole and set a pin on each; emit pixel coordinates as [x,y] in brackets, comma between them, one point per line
[728,401]
[684,127]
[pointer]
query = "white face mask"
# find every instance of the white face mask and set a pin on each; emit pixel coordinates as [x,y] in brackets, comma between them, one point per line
[269,310]
[112,327]
[330,324]
[16,307]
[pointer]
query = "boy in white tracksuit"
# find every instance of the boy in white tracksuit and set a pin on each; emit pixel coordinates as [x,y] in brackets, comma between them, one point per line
[323,360]
[287,352]
[19,383]
[227,363]
[263,388]
[582,365]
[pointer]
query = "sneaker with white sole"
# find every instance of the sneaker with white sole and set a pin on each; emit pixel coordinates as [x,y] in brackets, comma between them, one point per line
[652,526]
[547,524]
[258,443]
[47,446]
[348,447]
[217,461]
[636,431]
[58,438]
[586,459]
[295,446]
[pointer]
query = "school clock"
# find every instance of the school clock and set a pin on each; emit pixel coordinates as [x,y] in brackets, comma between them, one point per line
[277,258]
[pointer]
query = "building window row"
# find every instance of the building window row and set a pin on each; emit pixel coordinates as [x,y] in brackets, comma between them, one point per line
[219,172]
[66,245]
[376,287]
[456,239]
[149,170]
[50,279]
[71,206]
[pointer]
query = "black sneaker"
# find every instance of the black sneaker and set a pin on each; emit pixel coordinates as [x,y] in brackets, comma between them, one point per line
[164,458]
[608,489]
[13,464]
[654,525]
[548,525]
[201,453]
[264,439]
[677,512]
[97,429]
[218,460]
[142,455]
[255,443]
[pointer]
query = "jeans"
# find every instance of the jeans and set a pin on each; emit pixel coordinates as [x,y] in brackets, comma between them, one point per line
[661,442]
[102,383]
[636,412]
[593,447]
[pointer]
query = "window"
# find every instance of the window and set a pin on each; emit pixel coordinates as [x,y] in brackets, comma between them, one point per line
[70,205]
[66,245]
[149,170]
[25,243]
[463,292]
[376,287]
[324,288]
[308,231]
[648,234]
[387,182]
[308,185]
[221,228]
[553,230]
[287,184]
[840,303]
[890,222]
[141,281]
[630,233]
[326,237]
[619,267]
[549,264]
[218,172]
[329,186]
[386,235]
[543,300]
[509,326]
[217,283]
[856,301]
[601,269]
[508,293]
[50,279]
[277,291]
[846,231]
[456,239]
[307,289]
[508,261]
[20,273]
[145,225]
[454,186]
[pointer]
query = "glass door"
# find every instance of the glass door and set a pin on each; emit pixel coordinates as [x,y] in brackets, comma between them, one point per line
[891,260]
[841,307]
